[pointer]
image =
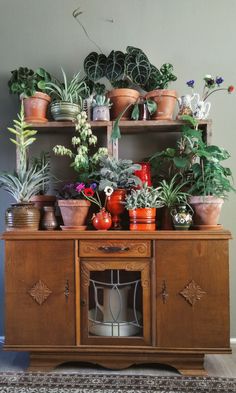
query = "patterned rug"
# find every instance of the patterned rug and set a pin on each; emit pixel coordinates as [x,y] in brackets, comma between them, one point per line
[95,383]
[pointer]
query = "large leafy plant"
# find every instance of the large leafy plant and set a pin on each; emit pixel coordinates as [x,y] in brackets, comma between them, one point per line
[27,180]
[130,69]
[25,81]
[117,173]
[144,197]
[197,162]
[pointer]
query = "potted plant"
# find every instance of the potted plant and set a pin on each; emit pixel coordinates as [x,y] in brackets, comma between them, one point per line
[119,175]
[43,199]
[101,108]
[129,73]
[171,193]
[25,182]
[210,180]
[85,163]
[29,85]
[67,96]
[141,204]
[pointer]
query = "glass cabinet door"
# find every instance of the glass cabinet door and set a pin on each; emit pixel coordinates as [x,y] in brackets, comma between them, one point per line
[115,302]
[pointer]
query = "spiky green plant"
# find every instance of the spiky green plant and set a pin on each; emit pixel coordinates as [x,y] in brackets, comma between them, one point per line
[27,180]
[171,193]
[67,91]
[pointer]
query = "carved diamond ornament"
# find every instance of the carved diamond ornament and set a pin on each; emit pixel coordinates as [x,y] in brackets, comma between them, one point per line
[192,292]
[40,292]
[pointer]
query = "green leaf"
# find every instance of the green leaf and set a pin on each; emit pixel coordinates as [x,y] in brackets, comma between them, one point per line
[152,106]
[135,112]
[181,162]
[115,66]
[95,65]
[190,119]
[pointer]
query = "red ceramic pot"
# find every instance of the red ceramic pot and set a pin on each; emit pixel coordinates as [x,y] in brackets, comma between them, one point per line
[102,220]
[142,219]
[144,173]
[116,206]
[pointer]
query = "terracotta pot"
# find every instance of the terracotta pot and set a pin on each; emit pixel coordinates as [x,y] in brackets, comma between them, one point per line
[43,200]
[206,209]
[166,101]
[74,211]
[102,220]
[35,107]
[142,219]
[61,110]
[22,216]
[116,206]
[144,173]
[120,99]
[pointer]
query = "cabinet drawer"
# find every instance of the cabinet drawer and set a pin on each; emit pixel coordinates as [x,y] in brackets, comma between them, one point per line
[116,248]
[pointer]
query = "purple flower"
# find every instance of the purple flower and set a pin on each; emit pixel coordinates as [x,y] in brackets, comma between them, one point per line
[219,80]
[68,186]
[190,83]
[80,187]
[93,186]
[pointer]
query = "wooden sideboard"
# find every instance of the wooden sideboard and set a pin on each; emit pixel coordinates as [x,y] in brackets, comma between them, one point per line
[60,288]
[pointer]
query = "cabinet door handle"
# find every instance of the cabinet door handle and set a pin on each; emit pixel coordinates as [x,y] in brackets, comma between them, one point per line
[164,292]
[67,290]
[111,249]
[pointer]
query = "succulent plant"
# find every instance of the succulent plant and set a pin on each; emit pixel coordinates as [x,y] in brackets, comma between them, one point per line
[144,197]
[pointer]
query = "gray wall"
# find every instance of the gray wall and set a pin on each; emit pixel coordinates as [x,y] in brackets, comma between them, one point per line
[197,37]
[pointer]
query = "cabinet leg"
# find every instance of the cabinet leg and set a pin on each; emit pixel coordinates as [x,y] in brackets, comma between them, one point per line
[41,362]
[190,365]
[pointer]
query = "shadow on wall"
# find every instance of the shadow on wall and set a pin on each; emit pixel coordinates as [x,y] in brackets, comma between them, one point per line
[8,109]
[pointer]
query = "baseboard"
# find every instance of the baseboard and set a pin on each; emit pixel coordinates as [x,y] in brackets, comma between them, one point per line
[2,339]
[233,340]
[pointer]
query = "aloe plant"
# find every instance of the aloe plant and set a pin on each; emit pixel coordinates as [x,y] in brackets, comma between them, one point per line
[27,180]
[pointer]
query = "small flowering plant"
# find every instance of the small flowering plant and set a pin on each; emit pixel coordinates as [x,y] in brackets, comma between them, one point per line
[211,85]
[85,191]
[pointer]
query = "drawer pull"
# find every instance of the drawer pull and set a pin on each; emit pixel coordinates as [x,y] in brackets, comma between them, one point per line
[111,249]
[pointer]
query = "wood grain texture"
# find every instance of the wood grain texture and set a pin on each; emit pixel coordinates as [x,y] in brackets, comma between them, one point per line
[185,296]
[27,321]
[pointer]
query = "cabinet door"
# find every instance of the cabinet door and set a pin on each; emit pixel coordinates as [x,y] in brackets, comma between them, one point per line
[39,292]
[192,293]
[115,301]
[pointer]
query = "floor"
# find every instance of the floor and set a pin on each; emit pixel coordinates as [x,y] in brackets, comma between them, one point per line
[216,365]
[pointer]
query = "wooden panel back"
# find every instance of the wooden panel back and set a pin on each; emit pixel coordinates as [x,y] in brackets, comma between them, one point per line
[32,269]
[201,269]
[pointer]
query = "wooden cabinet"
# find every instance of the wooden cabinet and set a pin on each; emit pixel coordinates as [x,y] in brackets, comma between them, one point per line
[161,297]
[192,293]
[40,293]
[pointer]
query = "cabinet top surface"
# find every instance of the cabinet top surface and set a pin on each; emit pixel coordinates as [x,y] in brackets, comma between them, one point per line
[125,235]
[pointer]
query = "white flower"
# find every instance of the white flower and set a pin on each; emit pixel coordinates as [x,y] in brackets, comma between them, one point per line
[108,190]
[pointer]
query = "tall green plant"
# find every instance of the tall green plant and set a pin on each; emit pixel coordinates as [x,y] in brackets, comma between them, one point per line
[27,180]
